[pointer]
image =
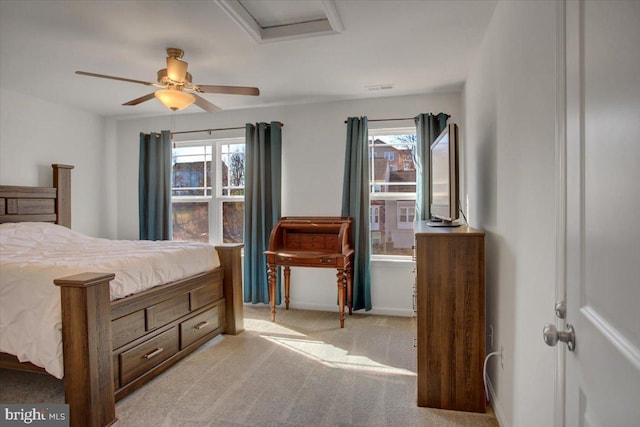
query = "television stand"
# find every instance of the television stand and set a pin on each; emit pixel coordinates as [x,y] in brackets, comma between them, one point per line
[442,223]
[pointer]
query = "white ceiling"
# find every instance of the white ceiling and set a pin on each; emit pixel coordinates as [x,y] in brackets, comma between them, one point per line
[420,46]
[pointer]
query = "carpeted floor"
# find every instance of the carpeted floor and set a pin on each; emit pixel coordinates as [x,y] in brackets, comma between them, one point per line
[302,370]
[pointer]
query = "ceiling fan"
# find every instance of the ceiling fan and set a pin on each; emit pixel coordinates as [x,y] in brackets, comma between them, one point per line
[176,88]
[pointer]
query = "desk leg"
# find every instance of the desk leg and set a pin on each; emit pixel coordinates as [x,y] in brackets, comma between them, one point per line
[287,278]
[349,289]
[271,275]
[342,279]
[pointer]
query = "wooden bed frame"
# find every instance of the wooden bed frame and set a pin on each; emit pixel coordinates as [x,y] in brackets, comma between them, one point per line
[111,348]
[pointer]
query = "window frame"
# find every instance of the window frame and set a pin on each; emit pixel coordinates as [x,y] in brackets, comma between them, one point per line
[216,199]
[387,195]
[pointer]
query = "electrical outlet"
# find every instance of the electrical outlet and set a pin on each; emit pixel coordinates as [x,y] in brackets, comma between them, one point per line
[501,357]
[491,337]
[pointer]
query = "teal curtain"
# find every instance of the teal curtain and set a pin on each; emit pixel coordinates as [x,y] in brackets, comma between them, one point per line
[262,205]
[355,204]
[154,186]
[428,127]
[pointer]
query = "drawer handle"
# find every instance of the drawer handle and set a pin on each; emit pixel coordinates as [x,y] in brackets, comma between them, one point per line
[154,353]
[326,260]
[201,325]
[414,303]
[285,259]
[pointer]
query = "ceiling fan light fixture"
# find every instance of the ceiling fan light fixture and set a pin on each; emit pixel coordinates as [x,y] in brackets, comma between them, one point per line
[176,70]
[175,99]
[175,86]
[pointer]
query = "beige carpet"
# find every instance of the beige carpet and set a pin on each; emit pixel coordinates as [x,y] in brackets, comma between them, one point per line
[302,370]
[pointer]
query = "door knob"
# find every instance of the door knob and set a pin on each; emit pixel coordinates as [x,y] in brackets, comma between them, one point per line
[551,336]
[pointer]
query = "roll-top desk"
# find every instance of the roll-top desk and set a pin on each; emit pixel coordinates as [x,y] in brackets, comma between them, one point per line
[450,317]
[311,242]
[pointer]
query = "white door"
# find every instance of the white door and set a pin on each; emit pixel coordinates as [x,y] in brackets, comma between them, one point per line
[602,377]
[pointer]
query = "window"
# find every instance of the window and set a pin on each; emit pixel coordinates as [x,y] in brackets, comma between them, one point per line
[392,191]
[406,215]
[207,193]
[374,218]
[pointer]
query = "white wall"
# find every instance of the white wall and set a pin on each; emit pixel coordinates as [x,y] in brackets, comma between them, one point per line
[36,133]
[509,109]
[314,138]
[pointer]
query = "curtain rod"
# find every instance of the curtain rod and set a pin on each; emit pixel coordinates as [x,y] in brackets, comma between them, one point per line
[394,120]
[212,130]
[389,120]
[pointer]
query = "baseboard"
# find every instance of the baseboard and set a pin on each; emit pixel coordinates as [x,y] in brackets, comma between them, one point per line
[496,405]
[382,311]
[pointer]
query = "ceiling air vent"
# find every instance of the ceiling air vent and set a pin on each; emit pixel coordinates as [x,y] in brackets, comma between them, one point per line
[379,87]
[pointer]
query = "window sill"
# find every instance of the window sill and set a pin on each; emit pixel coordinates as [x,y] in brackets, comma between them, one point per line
[391,261]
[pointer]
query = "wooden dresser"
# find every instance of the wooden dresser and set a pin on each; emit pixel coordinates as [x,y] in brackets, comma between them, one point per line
[450,293]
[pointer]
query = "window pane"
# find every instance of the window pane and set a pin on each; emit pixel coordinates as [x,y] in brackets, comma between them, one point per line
[191,221]
[191,172]
[232,222]
[392,167]
[393,234]
[392,171]
[204,176]
[233,169]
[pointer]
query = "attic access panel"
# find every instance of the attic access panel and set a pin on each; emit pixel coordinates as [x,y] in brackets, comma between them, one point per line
[283,20]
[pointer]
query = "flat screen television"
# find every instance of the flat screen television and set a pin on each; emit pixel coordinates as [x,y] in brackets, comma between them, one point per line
[444,174]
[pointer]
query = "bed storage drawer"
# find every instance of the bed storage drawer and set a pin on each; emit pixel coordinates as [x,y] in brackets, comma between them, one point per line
[127,328]
[141,358]
[205,295]
[166,311]
[204,323]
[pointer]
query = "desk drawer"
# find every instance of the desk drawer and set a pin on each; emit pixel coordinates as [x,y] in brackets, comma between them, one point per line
[310,241]
[317,261]
[145,356]
[204,323]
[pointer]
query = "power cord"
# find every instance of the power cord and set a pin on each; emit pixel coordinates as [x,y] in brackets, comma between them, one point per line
[484,372]
[462,212]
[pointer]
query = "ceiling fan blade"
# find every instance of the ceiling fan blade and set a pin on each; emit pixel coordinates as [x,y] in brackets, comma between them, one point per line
[122,79]
[141,99]
[206,105]
[229,90]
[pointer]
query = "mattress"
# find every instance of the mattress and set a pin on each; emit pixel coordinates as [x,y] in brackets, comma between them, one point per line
[33,254]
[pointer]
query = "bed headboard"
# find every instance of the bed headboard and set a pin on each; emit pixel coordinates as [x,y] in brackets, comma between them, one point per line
[40,204]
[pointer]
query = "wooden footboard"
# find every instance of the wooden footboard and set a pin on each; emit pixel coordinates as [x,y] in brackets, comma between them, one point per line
[113,349]
[86,343]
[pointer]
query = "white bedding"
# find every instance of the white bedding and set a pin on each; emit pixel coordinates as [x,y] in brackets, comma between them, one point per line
[33,254]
